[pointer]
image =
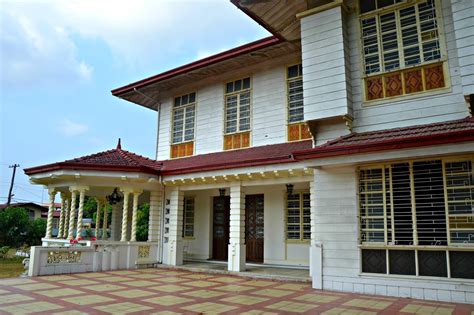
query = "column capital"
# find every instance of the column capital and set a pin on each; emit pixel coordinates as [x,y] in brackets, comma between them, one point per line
[137,192]
[78,188]
[52,191]
[126,190]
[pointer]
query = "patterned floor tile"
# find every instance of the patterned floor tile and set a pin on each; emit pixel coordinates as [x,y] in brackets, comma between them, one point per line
[227,279]
[197,276]
[122,308]
[245,299]
[172,279]
[200,284]
[273,292]
[79,282]
[87,299]
[257,312]
[58,278]
[12,298]
[135,293]
[317,298]
[2,291]
[59,292]
[104,287]
[169,288]
[28,308]
[209,308]
[36,286]
[142,283]
[424,309]
[292,286]
[366,303]
[16,281]
[260,283]
[123,272]
[71,312]
[166,313]
[114,279]
[91,275]
[346,311]
[168,300]
[234,288]
[289,306]
[204,294]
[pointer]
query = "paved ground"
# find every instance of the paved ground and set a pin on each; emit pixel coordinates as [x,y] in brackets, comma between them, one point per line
[163,291]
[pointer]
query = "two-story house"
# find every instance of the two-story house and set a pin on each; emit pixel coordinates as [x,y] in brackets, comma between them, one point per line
[344,142]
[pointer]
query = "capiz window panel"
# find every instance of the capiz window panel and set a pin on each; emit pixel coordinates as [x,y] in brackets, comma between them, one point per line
[237,106]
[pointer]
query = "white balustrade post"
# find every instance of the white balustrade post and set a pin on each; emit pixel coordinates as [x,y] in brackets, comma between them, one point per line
[126,194]
[49,224]
[237,248]
[97,218]
[82,194]
[62,215]
[175,243]
[106,220]
[156,204]
[133,237]
[72,214]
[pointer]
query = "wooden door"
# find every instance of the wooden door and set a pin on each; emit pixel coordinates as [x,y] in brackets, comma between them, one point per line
[220,227]
[254,227]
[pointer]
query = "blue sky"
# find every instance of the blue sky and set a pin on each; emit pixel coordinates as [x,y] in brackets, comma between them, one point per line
[60,59]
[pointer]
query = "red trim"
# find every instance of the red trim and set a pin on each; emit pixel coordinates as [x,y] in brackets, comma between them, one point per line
[234,52]
[90,167]
[413,142]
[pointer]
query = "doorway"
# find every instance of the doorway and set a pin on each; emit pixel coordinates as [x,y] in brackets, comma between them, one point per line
[254,209]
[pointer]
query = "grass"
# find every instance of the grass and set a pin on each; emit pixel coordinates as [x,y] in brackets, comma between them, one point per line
[12,266]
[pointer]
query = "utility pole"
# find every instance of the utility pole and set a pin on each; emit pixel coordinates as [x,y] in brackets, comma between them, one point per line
[10,195]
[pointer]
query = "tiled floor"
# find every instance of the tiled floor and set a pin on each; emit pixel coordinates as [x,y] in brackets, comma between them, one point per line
[163,291]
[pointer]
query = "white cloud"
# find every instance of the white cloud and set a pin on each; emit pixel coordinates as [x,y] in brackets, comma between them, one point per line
[70,128]
[39,38]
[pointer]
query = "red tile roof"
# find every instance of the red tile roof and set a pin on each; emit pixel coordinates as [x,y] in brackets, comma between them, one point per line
[392,139]
[111,160]
[229,54]
[262,155]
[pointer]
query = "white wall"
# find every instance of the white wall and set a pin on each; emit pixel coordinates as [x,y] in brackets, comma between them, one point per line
[336,228]
[276,251]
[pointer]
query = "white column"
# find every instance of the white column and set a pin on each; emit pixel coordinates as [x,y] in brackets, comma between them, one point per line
[82,194]
[106,220]
[72,213]
[97,218]
[154,222]
[175,243]
[113,225]
[237,248]
[49,224]
[315,248]
[62,215]
[133,236]
[126,194]
[66,219]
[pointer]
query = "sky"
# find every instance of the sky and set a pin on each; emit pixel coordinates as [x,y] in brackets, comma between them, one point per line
[59,60]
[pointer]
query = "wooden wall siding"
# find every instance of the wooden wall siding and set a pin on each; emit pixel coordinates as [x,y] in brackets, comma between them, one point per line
[422,108]
[237,141]
[269,106]
[182,149]
[463,20]
[165,130]
[209,118]
[325,65]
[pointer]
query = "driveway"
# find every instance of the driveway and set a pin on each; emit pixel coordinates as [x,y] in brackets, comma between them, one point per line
[163,291]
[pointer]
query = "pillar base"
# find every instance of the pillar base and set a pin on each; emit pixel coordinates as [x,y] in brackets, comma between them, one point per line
[175,253]
[237,257]
[316,265]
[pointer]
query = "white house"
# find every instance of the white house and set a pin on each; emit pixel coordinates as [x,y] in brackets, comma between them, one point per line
[343,143]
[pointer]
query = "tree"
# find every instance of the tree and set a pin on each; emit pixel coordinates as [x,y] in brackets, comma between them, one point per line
[36,231]
[142,222]
[14,223]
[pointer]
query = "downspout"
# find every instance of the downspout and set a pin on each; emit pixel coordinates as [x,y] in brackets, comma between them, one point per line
[163,202]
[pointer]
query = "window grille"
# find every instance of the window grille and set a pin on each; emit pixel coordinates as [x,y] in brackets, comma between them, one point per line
[184,113]
[237,109]
[295,93]
[298,216]
[188,217]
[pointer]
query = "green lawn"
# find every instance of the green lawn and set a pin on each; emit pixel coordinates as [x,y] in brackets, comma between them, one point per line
[12,266]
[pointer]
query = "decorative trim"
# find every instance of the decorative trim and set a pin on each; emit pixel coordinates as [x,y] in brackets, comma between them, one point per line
[325,7]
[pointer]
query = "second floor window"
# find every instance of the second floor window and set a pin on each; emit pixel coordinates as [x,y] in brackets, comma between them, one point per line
[295,93]
[401,47]
[184,112]
[237,106]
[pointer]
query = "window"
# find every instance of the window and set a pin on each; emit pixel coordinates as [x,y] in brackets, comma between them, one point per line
[188,217]
[399,40]
[410,206]
[184,112]
[297,129]
[298,216]
[237,114]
